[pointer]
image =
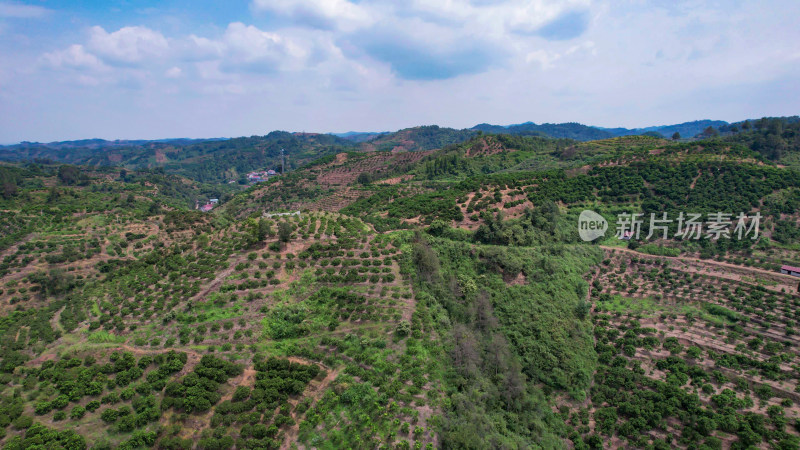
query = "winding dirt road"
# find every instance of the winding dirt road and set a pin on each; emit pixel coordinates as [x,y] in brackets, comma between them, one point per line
[788,280]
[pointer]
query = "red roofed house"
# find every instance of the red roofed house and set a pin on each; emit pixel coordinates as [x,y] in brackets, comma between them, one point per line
[207,207]
[259,176]
[789,270]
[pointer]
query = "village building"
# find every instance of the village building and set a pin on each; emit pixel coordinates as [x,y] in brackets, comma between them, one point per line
[790,270]
[262,175]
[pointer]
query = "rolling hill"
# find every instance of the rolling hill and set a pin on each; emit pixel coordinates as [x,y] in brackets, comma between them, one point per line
[573,130]
[223,160]
[434,298]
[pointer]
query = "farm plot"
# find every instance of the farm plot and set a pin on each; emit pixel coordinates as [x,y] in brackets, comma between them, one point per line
[689,356]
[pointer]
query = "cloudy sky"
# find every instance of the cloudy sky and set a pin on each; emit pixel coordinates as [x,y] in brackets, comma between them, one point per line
[201,68]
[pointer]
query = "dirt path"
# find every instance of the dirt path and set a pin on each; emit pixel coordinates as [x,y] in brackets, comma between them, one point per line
[248,378]
[789,279]
[694,182]
[314,392]
[193,357]
[15,246]
[307,362]
[55,322]
[196,424]
[23,272]
[214,283]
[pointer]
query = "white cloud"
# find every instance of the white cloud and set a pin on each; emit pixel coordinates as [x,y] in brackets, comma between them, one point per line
[547,60]
[195,48]
[173,72]
[451,62]
[128,45]
[249,47]
[475,17]
[74,57]
[20,11]
[489,17]
[531,16]
[240,47]
[325,14]
[587,46]
[418,40]
[543,57]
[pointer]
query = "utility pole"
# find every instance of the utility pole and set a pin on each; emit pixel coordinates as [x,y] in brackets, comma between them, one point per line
[283,161]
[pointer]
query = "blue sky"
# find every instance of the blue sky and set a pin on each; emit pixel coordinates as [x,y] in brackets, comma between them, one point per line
[180,68]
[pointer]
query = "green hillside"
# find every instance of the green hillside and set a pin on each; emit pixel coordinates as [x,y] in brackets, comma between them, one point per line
[432,296]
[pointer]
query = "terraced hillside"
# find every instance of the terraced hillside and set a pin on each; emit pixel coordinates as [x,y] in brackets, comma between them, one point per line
[395,299]
[130,325]
[692,351]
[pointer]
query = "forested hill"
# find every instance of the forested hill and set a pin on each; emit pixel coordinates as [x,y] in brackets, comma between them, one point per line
[571,130]
[223,160]
[686,129]
[777,139]
[582,132]
[422,138]
[213,161]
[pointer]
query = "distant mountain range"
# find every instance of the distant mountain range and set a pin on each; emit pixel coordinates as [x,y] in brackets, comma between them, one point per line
[205,160]
[568,130]
[686,129]
[221,159]
[580,132]
[102,143]
[358,136]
